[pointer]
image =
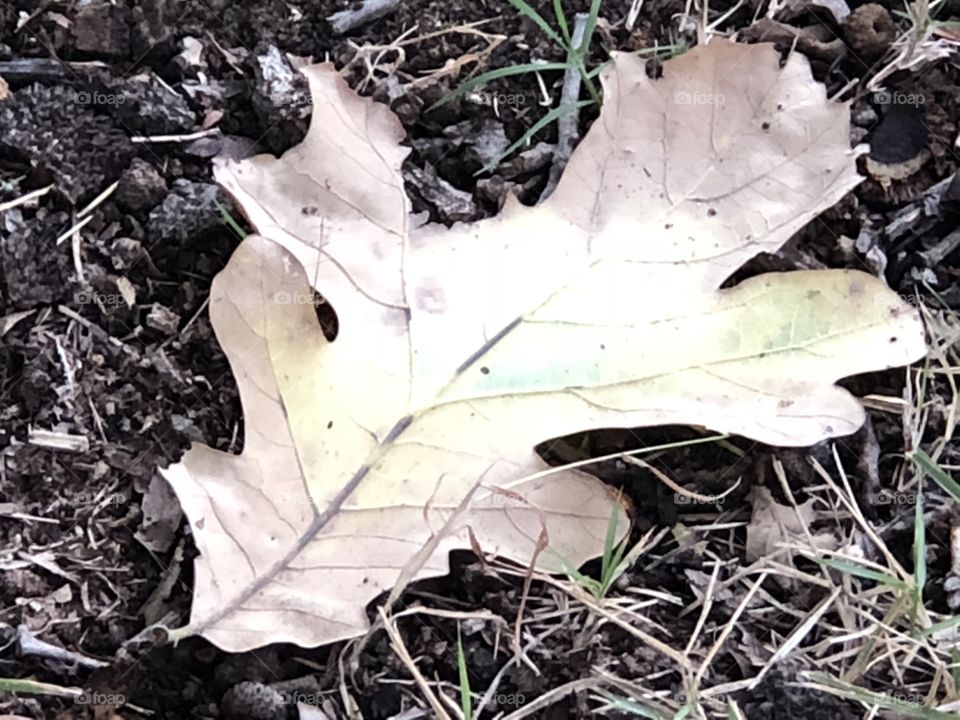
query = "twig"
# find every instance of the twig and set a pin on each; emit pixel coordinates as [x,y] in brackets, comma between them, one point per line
[728,628]
[666,480]
[75,228]
[175,138]
[23,199]
[567,131]
[31,645]
[396,642]
[98,199]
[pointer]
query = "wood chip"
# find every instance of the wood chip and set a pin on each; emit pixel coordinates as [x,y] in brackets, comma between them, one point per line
[127,291]
[58,441]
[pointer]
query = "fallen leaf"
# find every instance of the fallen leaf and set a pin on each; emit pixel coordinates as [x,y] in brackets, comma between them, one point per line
[161,516]
[459,349]
[773,524]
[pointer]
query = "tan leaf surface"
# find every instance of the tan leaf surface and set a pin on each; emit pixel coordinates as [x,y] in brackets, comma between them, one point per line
[460,349]
[773,525]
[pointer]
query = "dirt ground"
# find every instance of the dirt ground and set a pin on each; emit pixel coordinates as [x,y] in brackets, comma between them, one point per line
[92,546]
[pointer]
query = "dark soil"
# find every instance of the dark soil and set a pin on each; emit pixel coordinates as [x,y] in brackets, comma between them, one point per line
[142,380]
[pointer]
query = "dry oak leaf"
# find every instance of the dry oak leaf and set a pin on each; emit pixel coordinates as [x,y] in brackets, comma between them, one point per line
[367,459]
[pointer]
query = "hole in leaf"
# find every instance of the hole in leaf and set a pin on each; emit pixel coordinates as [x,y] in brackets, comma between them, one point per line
[326,316]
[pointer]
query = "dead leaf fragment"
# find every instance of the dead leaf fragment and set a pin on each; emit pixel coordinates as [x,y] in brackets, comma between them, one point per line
[7,322]
[459,349]
[772,525]
[161,516]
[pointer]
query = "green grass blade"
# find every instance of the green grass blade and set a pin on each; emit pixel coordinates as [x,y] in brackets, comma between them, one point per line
[609,545]
[33,687]
[562,21]
[230,221]
[466,701]
[633,707]
[589,29]
[926,463]
[663,52]
[596,71]
[550,117]
[584,581]
[495,75]
[852,568]
[950,622]
[524,9]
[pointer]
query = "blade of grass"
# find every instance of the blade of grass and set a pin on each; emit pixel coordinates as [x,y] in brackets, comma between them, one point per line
[631,706]
[579,53]
[584,581]
[230,221]
[610,545]
[940,626]
[534,129]
[592,18]
[936,473]
[17,685]
[853,569]
[466,701]
[524,9]
[562,21]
